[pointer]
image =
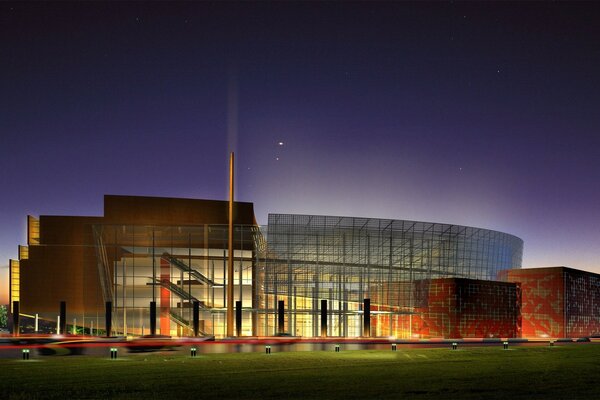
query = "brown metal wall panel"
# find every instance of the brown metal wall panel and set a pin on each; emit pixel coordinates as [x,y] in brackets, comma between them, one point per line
[172,211]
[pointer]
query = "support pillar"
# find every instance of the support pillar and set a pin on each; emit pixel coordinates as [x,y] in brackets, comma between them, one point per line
[238,318]
[16,320]
[63,317]
[196,317]
[280,317]
[367,317]
[152,318]
[323,318]
[108,318]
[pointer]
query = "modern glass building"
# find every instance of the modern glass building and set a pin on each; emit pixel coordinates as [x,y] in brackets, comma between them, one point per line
[344,260]
[174,252]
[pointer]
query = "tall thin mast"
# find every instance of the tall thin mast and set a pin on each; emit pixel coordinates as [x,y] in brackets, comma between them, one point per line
[230,254]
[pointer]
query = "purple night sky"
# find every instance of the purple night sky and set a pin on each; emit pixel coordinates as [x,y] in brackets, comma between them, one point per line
[471,113]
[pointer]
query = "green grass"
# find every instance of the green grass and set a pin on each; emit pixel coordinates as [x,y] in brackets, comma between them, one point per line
[560,372]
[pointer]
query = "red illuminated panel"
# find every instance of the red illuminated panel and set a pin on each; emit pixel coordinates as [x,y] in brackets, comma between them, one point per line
[542,301]
[165,298]
[462,308]
[487,309]
[439,318]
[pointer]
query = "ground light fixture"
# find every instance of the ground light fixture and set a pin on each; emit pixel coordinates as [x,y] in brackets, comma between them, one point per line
[25,354]
[505,345]
[267,349]
[454,345]
[393,346]
[193,352]
[113,353]
[337,348]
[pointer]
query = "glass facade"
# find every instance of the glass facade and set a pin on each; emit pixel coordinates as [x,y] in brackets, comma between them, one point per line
[344,260]
[174,266]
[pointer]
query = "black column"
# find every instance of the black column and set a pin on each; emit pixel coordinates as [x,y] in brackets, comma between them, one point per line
[63,317]
[108,317]
[238,318]
[280,317]
[323,318]
[196,317]
[367,317]
[152,318]
[16,325]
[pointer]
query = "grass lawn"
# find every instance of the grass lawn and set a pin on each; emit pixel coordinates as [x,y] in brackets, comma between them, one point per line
[560,372]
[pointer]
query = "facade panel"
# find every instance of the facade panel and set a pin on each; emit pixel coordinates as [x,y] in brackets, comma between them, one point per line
[582,303]
[558,301]
[542,298]
[14,284]
[467,308]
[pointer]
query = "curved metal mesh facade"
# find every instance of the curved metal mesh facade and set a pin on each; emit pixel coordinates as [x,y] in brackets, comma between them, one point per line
[345,259]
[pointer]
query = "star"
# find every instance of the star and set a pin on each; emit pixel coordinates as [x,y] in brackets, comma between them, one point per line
[280,143]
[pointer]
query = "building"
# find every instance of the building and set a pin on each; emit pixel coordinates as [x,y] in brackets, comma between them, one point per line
[161,265]
[139,251]
[421,279]
[344,260]
[557,302]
